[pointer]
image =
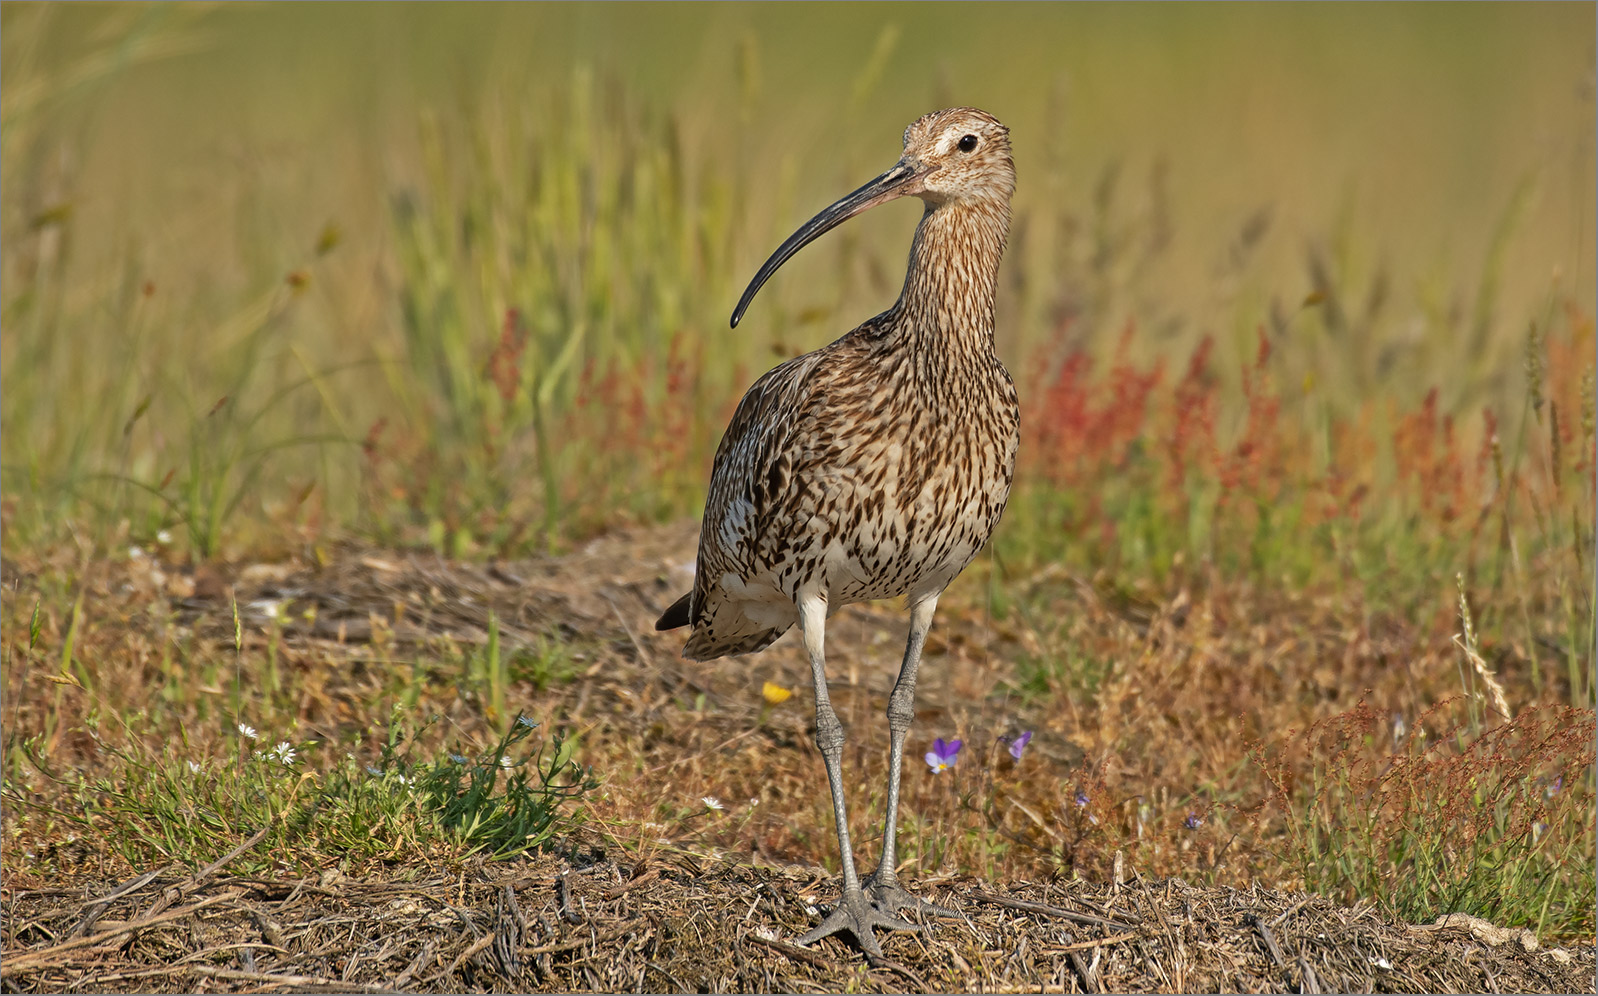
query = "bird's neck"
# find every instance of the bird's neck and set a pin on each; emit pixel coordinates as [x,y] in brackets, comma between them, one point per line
[953,275]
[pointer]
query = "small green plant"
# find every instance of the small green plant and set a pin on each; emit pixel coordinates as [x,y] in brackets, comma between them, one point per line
[1036,675]
[546,663]
[486,670]
[466,797]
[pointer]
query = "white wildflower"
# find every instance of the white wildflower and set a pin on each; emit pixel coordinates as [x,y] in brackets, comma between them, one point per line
[712,802]
[249,731]
[284,753]
[194,768]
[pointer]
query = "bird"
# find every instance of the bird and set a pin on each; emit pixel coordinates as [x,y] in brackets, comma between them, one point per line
[874,467]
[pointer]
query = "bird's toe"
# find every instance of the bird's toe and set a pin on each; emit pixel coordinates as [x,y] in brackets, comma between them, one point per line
[858,914]
[888,897]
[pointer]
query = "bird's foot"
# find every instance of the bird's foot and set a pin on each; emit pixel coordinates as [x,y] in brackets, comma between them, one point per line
[889,898]
[857,914]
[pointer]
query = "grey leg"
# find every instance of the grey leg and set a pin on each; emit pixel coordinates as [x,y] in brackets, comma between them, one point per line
[883,885]
[853,911]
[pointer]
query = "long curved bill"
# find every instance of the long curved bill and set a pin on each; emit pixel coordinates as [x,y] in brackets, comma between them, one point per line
[886,187]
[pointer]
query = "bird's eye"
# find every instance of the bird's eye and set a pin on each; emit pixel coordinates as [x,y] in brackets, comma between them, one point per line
[968,143]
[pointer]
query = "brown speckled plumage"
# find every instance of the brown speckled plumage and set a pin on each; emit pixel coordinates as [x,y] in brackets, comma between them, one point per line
[876,466]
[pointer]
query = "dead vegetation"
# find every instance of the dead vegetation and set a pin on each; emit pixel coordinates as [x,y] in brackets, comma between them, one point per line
[584,923]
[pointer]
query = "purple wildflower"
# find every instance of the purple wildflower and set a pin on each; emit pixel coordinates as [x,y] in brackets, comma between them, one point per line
[1019,744]
[942,755]
[1082,803]
[1193,821]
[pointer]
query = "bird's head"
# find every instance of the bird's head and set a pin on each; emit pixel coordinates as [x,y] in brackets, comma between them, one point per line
[960,154]
[955,156]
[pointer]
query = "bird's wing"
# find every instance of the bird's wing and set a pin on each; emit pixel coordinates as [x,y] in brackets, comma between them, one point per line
[753,476]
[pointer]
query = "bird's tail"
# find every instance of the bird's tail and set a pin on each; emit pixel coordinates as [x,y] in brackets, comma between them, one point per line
[677,616]
[722,629]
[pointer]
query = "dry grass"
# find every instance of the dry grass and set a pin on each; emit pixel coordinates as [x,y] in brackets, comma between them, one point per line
[584,922]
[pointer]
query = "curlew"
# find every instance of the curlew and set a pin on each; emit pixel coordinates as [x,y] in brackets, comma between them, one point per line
[874,467]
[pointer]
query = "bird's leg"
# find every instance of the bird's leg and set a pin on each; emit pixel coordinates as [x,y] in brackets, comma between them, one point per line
[883,884]
[853,912]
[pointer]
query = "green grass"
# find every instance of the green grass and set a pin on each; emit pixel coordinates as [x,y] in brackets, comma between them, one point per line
[1493,823]
[176,804]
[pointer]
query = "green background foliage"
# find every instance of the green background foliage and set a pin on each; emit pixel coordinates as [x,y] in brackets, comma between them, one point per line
[614,173]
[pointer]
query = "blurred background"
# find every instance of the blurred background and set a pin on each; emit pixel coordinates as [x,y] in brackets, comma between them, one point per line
[459,275]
